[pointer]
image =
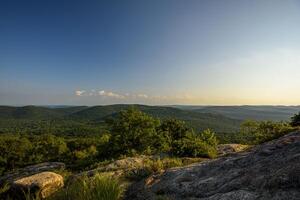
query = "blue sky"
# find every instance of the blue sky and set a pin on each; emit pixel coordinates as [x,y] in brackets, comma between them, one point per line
[150,51]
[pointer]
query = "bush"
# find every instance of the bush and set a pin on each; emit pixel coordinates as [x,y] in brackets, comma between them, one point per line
[259,132]
[99,187]
[194,146]
[295,120]
[182,141]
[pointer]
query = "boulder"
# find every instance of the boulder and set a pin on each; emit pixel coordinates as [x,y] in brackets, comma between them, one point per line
[267,171]
[42,185]
[30,170]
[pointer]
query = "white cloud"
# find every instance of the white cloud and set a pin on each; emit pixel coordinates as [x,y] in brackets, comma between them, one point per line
[80,92]
[101,93]
[115,95]
[110,94]
[132,97]
[143,96]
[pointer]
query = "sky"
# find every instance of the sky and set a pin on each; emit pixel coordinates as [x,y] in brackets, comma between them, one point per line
[156,52]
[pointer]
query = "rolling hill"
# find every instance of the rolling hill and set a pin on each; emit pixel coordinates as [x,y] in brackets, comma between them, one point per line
[197,120]
[28,112]
[219,118]
[36,112]
[276,113]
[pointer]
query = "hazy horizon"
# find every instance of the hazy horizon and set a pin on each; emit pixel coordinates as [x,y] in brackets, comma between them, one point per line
[167,105]
[158,52]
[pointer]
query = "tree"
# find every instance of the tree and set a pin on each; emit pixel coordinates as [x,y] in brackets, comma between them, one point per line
[170,132]
[182,140]
[295,120]
[174,129]
[196,145]
[133,131]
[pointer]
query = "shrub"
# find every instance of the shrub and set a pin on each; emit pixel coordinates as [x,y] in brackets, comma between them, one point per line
[196,145]
[295,120]
[153,166]
[264,131]
[173,129]
[191,146]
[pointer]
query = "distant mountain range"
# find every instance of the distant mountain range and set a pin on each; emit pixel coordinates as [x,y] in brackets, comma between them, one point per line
[197,120]
[218,118]
[276,113]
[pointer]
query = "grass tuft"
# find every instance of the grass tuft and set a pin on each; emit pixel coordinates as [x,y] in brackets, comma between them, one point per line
[99,187]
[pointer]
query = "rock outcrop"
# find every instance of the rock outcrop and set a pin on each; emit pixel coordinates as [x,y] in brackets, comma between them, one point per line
[116,168]
[224,149]
[267,171]
[30,170]
[42,184]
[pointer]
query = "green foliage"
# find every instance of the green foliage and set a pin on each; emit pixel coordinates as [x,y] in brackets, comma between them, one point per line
[196,145]
[182,141]
[153,165]
[3,191]
[99,187]
[173,129]
[78,153]
[258,132]
[295,120]
[209,137]
[136,132]
[133,132]
[14,152]
[48,148]
[28,195]
[61,127]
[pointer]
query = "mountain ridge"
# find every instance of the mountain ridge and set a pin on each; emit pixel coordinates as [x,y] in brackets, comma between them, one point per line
[199,121]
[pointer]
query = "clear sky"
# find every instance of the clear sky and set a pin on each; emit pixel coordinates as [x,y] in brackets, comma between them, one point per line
[149,51]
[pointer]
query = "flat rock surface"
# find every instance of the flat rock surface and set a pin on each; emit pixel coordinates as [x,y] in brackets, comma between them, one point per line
[267,171]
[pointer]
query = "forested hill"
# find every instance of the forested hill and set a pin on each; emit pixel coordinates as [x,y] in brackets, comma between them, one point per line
[95,114]
[274,113]
[37,112]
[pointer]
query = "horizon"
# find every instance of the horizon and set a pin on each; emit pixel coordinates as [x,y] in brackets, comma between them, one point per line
[158,105]
[171,52]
